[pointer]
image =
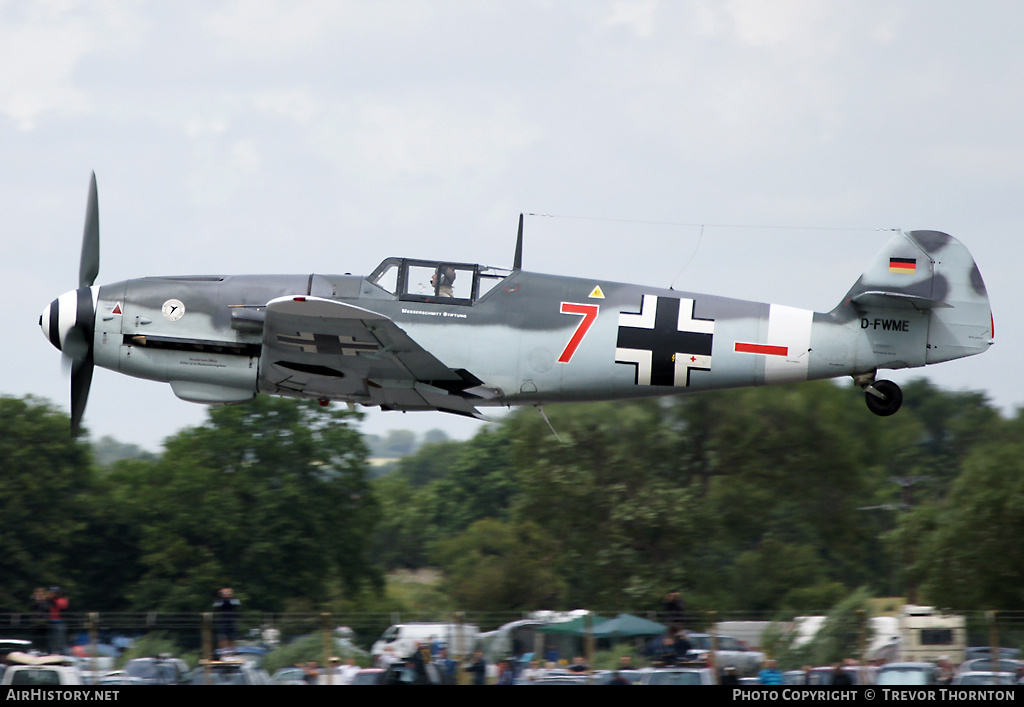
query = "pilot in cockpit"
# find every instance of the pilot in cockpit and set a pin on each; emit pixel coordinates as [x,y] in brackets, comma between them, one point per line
[442,280]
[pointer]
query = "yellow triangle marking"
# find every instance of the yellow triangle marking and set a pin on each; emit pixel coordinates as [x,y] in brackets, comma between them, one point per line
[596,292]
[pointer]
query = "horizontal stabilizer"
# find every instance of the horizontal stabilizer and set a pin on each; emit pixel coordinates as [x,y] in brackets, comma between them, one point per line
[896,300]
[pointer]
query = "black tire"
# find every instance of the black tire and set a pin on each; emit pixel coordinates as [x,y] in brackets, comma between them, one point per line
[889,403]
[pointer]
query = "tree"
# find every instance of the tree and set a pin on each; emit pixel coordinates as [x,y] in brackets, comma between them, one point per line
[783,473]
[965,550]
[407,527]
[440,491]
[498,566]
[608,495]
[270,497]
[43,472]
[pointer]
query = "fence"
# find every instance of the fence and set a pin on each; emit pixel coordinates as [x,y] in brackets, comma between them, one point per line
[188,630]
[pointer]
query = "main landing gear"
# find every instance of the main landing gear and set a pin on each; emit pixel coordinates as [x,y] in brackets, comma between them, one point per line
[883,397]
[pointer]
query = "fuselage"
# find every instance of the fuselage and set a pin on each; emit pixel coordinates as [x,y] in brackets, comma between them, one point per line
[535,338]
[419,334]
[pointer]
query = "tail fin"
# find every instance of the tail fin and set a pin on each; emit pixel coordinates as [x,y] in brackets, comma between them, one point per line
[934,274]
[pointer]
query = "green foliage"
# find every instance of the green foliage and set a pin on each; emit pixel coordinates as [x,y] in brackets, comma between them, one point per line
[153,645]
[43,475]
[964,551]
[396,443]
[440,491]
[305,649]
[842,635]
[750,500]
[609,497]
[108,450]
[270,498]
[845,630]
[416,592]
[496,566]
[407,522]
[611,658]
[766,499]
[783,473]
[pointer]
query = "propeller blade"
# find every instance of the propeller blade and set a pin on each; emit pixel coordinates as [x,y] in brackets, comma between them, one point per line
[76,346]
[81,379]
[89,266]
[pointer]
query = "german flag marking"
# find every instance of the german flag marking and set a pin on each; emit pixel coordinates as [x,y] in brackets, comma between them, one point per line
[903,265]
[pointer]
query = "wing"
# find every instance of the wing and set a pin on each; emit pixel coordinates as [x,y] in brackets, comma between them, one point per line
[320,348]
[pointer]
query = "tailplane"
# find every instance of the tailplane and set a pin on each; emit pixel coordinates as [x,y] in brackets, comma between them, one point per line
[931,277]
[922,300]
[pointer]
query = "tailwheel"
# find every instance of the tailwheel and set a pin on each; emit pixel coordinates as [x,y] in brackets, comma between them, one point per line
[883,397]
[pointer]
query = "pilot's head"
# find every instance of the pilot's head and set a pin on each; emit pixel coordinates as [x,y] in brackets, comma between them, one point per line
[443,276]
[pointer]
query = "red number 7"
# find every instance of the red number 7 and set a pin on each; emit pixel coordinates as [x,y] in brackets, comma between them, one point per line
[589,312]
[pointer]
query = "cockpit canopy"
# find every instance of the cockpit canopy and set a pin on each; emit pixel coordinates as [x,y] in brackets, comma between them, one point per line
[436,281]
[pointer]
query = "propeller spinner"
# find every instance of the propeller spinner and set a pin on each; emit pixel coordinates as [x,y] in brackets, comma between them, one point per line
[69,322]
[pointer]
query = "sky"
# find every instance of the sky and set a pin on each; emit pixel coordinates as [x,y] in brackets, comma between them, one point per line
[731,147]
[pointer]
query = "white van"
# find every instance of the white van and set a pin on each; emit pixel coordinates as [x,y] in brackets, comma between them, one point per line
[459,639]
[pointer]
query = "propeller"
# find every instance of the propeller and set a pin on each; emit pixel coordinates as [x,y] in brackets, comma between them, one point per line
[69,322]
[89,267]
[78,343]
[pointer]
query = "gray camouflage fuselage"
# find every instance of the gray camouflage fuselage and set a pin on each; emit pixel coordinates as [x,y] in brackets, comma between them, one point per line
[516,337]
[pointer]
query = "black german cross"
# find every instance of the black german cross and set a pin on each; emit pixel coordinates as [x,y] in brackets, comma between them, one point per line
[665,344]
[328,344]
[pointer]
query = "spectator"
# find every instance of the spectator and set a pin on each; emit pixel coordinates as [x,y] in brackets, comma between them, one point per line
[227,607]
[770,674]
[478,669]
[58,630]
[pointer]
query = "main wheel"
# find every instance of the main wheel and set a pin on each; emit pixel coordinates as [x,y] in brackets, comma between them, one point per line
[890,400]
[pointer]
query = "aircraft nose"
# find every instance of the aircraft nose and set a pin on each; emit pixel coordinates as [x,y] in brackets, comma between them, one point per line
[59,317]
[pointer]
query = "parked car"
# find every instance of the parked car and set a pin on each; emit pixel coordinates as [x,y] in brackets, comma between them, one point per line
[908,674]
[27,669]
[1003,665]
[824,675]
[679,676]
[157,671]
[37,671]
[730,652]
[289,676]
[370,676]
[228,672]
[973,652]
[634,675]
[984,677]
[558,676]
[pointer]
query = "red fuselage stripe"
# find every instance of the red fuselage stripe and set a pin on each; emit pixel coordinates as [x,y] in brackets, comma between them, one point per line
[762,349]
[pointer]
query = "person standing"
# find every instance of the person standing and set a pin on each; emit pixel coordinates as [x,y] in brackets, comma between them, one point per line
[478,669]
[40,604]
[227,607]
[770,674]
[58,630]
[672,610]
[448,667]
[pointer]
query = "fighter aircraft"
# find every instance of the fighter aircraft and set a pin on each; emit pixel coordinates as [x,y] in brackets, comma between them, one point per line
[456,337]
